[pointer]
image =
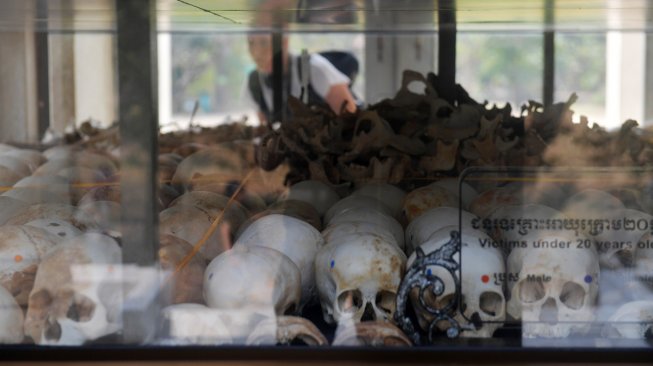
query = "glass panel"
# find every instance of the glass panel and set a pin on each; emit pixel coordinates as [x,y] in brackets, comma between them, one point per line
[507,64]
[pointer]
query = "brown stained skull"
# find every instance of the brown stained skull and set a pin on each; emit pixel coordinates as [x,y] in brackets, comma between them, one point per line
[74,299]
[185,279]
[21,250]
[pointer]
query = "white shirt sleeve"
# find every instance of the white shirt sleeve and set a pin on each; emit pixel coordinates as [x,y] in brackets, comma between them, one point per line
[324,75]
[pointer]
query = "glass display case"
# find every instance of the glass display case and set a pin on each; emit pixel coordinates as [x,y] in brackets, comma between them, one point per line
[333,180]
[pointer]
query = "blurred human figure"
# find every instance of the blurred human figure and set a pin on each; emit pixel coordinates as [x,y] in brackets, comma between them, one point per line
[326,84]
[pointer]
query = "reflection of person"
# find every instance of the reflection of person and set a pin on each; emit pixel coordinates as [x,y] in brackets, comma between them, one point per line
[327,84]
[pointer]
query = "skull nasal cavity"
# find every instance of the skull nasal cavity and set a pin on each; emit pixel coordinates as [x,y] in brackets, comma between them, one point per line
[368,314]
[549,312]
[52,330]
[350,301]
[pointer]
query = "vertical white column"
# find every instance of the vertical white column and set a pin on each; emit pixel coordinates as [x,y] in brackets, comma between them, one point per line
[625,77]
[95,73]
[165,78]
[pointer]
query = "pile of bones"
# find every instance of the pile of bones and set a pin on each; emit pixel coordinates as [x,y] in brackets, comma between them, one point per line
[307,236]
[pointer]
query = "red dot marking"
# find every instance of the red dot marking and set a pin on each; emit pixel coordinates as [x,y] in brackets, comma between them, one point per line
[18,258]
[485,278]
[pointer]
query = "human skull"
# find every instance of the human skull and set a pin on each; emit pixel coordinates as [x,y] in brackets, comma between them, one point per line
[21,250]
[32,158]
[16,165]
[556,288]
[421,228]
[390,195]
[452,185]
[192,223]
[366,215]
[62,229]
[618,246]
[185,278]
[76,298]
[294,208]
[50,211]
[633,320]
[11,318]
[295,238]
[336,231]
[9,207]
[315,193]
[256,278]
[41,189]
[353,202]
[8,177]
[420,200]
[358,278]
[106,214]
[483,302]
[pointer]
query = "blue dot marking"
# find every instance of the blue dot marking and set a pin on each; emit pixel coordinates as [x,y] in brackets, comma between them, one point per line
[333,263]
[588,279]
[428,272]
[210,276]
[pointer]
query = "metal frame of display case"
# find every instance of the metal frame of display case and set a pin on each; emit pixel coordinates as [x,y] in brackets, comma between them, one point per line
[136,34]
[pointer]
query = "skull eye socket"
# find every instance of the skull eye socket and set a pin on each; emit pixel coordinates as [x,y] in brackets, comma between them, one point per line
[531,291]
[572,295]
[491,303]
[81,310]
[385,300]
[350,301]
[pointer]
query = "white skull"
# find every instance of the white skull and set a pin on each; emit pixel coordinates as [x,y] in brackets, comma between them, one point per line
[353,202]
[315,193]
[618,247]
[32,158]
[367,215]
[391,195]
[76,297]
[295,238]
[21,251]
[41,189]
[256,278]
[483,302]
[16,165]
[556,285]
[452,185]
[9,207]
[433,220]
[336,231]
[591,204]
[11,318]
[8,177]
[633,320]
[106,214]
[62,229]
[50,211]
[358,277]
